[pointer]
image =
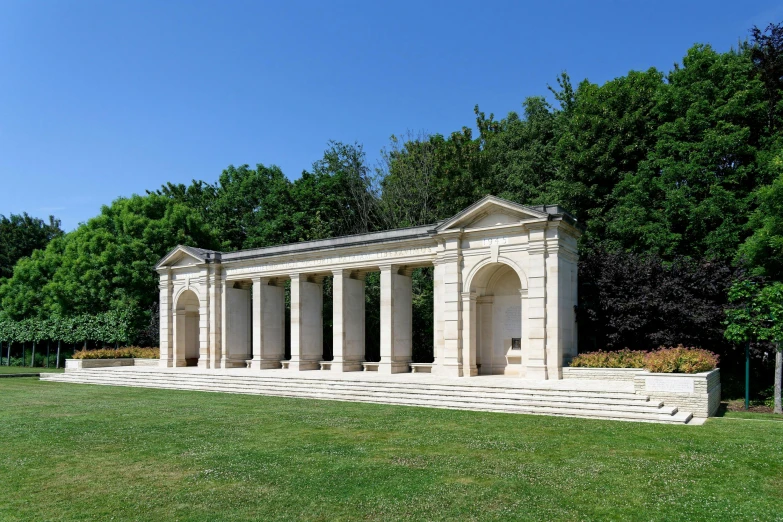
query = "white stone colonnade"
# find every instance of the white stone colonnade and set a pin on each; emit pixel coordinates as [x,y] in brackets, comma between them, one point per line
[504,297]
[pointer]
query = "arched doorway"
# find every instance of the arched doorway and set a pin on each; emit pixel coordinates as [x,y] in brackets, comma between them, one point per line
[499,316]
[186,330]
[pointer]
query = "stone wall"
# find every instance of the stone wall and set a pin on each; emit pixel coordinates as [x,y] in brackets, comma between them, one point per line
[698,393]
[78,364]
[602,374]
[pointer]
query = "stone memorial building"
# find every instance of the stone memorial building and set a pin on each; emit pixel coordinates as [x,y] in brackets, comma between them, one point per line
[505,292]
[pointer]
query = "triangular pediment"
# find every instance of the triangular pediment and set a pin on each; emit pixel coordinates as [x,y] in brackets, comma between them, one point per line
[182,256]
[491,211]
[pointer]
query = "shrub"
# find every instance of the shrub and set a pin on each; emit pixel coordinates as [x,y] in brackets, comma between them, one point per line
[680,360]
[662,360]
[125,352]
[619,359]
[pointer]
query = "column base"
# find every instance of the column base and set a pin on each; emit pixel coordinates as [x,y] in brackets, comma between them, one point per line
[165,363]
[304,365]
[470,371]
[449,370]
[347,366]
[393,367]
[233,364]
[265,364]
[536,372]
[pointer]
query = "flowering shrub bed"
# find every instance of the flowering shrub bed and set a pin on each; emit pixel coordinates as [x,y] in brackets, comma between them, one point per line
[619,359]
[126,352]
[663,360]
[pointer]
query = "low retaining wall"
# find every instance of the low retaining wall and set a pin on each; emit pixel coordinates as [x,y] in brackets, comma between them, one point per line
[698,393]
[601,374]
[78,364]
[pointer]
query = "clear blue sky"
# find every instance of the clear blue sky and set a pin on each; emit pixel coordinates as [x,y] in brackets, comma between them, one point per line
[103,99]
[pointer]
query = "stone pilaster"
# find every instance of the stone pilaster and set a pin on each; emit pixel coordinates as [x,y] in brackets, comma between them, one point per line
[469,334]
[450,258]
[437,316]
[166,318]
[537,303]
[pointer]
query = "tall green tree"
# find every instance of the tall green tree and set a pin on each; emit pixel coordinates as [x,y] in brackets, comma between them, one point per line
[21,235]
[692,194]
[106,263]
[757,315]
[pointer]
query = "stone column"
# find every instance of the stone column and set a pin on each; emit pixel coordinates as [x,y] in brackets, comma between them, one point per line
[348,321]
[537,303]
[451,293]
[237,320]
[469,333]
[306,323]
[268,324]
[396,320]
[166,319]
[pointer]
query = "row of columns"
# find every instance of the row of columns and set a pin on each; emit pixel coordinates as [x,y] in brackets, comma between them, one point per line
[268,319]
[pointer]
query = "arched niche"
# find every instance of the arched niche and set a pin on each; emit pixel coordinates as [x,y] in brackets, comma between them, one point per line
[499,320]
[186,329]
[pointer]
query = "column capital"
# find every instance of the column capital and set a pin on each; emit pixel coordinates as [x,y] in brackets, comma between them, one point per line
[469,296]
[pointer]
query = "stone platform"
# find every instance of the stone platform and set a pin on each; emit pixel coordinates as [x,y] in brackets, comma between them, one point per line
[597,399]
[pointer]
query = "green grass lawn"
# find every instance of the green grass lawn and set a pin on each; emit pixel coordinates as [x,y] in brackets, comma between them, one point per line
[80,452]
[26,369]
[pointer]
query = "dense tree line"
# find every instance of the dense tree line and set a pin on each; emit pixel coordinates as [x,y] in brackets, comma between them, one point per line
[677,179]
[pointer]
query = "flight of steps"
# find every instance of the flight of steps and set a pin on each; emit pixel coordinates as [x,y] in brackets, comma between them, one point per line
[531,399]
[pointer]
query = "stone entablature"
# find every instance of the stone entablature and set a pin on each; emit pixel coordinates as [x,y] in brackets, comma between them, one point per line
[504,297]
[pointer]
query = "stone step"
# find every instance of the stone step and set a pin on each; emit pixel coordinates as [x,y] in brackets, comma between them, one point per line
[649,411]
[408,386]
[665,416]
[633,402]
[316,392]
[548,391]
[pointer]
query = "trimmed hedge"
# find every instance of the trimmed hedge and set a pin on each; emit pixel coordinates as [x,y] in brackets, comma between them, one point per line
[108,327]
[663,360]
[127,352]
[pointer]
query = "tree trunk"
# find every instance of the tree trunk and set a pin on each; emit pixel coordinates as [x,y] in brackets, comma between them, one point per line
[778,371]
[48,347]
[58,355]
[32,356]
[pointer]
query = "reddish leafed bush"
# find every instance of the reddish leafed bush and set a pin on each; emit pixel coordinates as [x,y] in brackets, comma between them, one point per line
[662,360]
[680,360]
[126,352]
[618,359]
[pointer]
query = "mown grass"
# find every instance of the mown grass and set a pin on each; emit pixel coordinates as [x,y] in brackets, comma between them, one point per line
[79,452]
[26,369]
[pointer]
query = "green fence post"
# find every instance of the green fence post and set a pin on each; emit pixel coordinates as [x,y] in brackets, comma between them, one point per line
[747,375]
